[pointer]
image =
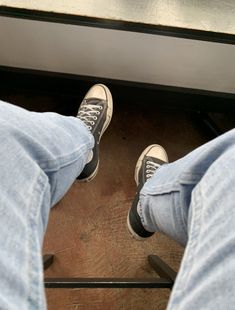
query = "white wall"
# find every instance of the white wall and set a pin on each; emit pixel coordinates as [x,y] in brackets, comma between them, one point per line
[117,54]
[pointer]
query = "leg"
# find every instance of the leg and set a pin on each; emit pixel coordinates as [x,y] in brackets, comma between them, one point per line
[36,171]
[207,274]
[40,157]
[192,201]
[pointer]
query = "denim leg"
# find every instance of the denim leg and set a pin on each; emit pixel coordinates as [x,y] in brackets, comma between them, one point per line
[41,155]
[192,201]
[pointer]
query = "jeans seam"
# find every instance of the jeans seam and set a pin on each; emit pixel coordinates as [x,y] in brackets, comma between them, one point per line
[141,213]
[34,293]
[190,248]
[76,153]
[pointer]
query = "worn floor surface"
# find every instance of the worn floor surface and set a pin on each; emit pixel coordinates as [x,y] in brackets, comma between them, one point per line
[87,229]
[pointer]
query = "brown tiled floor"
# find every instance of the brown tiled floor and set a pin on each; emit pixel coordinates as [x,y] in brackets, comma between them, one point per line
[87,229]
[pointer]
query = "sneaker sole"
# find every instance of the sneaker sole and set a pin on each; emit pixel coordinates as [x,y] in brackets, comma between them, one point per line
[92,176]
[106,124]
[132,232]
[109,109]
[140,160]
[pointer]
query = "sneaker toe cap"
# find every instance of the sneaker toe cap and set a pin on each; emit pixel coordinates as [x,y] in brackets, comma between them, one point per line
[157,151]
[97,91]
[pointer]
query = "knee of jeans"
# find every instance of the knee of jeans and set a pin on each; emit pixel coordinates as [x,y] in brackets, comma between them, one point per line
[7,131]
[233,131]
[229,137]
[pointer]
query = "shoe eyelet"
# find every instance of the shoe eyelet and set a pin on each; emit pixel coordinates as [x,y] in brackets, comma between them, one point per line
[92,123]
[100,107]
[95,118]
[89,127]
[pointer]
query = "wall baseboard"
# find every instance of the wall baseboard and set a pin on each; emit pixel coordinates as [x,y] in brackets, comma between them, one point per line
[125,92]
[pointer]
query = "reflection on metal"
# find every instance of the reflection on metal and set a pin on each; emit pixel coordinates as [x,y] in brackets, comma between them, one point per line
[216,16]
[166,280]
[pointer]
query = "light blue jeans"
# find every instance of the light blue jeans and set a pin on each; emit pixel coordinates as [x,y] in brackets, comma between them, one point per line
[41,154]
[190,200]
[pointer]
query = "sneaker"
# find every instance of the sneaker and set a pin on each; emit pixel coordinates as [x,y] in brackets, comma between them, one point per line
[96,112]
[149,161]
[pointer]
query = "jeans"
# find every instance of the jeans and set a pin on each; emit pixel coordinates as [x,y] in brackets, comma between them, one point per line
[190,200]
[41,155]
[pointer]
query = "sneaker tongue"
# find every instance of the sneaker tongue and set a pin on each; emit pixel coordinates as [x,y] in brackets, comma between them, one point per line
[155,160]
[93,101]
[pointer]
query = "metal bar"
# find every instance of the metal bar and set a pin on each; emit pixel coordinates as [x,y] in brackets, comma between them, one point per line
[47,260]
[107,283]
[161,268]
[209,123]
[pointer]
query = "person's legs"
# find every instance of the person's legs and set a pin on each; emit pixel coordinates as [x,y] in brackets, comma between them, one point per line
[192,201]
[41,155]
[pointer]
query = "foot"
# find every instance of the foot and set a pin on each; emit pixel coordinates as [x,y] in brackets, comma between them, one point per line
[96,112]
[149,161]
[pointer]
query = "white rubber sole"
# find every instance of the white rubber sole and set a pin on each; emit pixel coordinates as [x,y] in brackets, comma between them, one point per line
[132,232]
[92,176]
[140,160]
[109,109]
